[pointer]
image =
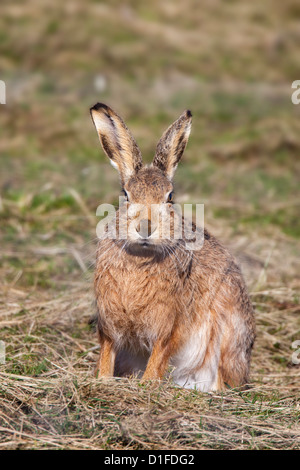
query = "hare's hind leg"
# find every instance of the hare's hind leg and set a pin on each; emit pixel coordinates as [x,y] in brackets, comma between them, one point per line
[236,352]
[218,384]
[106,360]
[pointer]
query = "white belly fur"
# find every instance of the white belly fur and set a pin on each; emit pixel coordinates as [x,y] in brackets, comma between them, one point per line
[190,370]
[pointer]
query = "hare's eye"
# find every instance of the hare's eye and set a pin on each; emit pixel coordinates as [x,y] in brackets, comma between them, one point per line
[170,196]
[125,194]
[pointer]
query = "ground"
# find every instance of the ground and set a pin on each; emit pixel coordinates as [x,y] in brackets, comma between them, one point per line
[232,63]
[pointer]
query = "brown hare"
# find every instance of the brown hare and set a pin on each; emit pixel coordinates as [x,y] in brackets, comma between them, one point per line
[160,304]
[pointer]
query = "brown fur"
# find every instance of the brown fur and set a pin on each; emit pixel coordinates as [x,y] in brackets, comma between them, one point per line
[153,299]
[117,141]
[171,146]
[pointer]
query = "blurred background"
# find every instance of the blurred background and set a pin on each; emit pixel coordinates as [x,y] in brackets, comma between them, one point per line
[232,63]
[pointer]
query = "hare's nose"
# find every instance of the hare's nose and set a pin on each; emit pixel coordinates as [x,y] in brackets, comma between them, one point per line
[144,228]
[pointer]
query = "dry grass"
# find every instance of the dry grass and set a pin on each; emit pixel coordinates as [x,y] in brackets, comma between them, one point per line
[77,412]
[50,399]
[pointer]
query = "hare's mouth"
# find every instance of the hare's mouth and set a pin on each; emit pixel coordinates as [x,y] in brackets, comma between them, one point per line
[143,247]
[145,243]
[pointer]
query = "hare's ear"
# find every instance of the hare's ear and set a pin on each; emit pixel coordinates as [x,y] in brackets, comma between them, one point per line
[171,146]
[117,141]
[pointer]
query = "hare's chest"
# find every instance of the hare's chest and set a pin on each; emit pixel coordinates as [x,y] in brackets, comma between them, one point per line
[135,306]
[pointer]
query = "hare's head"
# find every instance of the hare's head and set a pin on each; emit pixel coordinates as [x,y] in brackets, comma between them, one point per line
[148,189]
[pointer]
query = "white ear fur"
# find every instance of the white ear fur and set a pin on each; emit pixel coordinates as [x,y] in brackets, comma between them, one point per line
[114,164]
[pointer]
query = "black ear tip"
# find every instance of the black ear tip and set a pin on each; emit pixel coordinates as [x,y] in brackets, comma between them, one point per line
[99,106]
[188,113]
